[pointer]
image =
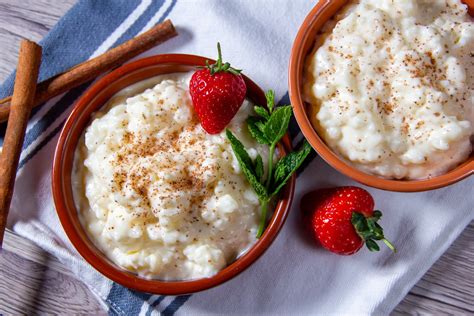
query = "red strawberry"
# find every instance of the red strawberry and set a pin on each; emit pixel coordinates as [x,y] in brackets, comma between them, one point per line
[342,219]
[312,200]
[217,92]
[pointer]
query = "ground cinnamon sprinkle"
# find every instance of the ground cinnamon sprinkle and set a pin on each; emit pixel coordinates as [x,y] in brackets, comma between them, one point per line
[161,192]
[406,79]
[136,147]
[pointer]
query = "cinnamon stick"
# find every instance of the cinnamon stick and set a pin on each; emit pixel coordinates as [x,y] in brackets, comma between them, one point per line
[92,68]
[23,95]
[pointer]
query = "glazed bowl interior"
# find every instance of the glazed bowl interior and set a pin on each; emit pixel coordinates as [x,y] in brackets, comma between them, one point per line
[91,101]
[302,47]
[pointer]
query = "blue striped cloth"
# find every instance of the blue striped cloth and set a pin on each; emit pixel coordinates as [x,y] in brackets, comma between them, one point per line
[293,277]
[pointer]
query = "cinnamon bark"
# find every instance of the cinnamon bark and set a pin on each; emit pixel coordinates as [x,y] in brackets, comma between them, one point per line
[94,67]
[23,95]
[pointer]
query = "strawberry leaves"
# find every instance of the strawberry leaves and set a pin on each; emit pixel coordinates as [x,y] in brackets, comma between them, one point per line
[219,66]
[268,129]
[369,230]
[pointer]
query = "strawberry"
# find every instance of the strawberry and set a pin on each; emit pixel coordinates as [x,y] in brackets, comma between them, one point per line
[343,219]
[217,92]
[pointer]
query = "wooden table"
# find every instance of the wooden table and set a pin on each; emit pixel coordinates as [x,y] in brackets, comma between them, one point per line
[45,286]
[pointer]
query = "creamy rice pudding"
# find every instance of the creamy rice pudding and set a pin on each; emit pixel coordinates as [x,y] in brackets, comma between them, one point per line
[391,86]
[156,193]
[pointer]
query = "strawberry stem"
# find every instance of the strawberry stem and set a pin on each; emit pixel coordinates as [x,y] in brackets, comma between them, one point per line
[218,66]
[370,231]
[219,56]
[389,245]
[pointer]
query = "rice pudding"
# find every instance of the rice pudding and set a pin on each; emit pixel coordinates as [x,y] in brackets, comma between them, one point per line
[156,193]
[391,86]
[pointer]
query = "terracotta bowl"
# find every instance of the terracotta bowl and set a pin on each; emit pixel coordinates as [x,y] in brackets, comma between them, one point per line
[91,101]
[302,46]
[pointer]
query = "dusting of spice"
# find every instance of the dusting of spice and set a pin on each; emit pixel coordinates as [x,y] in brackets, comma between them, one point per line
[159,195]
[401,83]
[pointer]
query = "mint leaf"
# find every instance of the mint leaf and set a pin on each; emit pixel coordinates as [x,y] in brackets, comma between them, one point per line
[262,112]
[277,124]
[270,96]
[288,165]
[246,165]
[255,131]
[258,167]
[261,126]
[239,151]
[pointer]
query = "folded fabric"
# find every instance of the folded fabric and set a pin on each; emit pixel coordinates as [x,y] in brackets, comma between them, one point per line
[294,276]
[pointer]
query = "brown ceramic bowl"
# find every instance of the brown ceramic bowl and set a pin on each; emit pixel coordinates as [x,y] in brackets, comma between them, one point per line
[302,46]
[91,101]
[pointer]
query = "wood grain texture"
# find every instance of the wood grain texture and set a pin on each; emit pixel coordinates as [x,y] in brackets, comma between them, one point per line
[30,19]
[447,288]
[26,249]
[27,287]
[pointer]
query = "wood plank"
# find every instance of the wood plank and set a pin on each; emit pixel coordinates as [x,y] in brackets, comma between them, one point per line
[421,305]
[44,285]
[27,287]
[29,19]
[448,287]
[26,249]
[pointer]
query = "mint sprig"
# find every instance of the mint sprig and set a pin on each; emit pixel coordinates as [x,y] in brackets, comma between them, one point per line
[268,129]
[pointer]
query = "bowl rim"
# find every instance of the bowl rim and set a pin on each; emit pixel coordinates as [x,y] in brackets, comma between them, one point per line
[306,36]
[89,251]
